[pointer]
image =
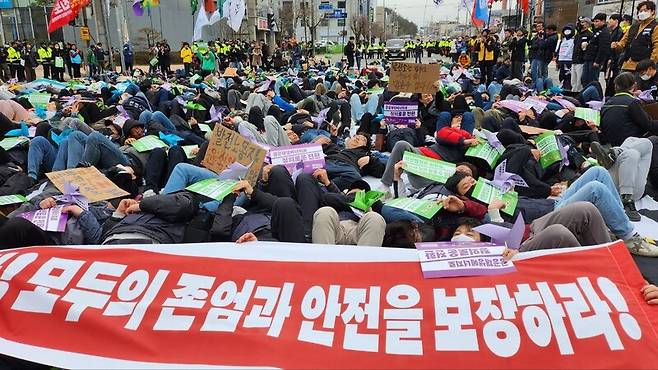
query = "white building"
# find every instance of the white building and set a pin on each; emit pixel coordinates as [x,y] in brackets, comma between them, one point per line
[329,29]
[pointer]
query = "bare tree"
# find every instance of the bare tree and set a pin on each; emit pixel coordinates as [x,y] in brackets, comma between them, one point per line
[377,30]
[359,26]
[147,38]
[308,15]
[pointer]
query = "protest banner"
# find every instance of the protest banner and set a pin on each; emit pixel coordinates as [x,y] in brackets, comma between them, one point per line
[413,77]
[39,100]
[50,219]
[401,112]
[11,199]
[485,192]
[429,168]
[12,142]
[449,259]
[548,148]
[148,143]
[588,114]
[290,306]
[484,151]
[93,184]
[421,207]
[213,188]
[226,147]
[311,155]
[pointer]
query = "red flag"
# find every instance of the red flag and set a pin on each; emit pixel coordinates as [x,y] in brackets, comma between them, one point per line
[63,12]
[209,5]
[525,6]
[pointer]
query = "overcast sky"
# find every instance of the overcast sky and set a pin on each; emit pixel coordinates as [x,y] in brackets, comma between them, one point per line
[423,12]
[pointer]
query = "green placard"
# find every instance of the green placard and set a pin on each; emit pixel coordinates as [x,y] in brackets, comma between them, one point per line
[364,200]
[588,114]
[39,100]
[486,193]
[548,148]
[429,168]
[421,207]
[188,151]
[148,143]
[12,199]
[11,142]
[485,152]
[213,188]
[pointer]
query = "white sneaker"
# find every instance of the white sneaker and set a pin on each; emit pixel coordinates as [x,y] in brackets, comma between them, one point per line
[641,246]
[386,190]
[430,139]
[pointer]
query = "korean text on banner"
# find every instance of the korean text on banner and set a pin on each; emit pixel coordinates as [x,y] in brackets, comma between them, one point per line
[310,154]
[401,112]
[227,147]
[548,148]
[429,168]
[413,77]
[360,307]
[93,184]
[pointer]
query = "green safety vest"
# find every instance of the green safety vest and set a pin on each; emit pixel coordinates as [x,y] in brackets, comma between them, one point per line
[13,55]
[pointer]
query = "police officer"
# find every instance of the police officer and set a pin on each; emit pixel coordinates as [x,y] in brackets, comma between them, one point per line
[16,69]
[45,58]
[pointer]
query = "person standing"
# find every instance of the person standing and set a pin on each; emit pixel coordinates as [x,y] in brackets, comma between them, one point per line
[14,61]
[100,57]
[45,58]
[5,74]
[349,52]
[30,63]
[128,57]
[91,61]
[614,65]
[418,52]
[577,60]
[256,56]
[76,60]
[485,52]
[548,48]
[66,49]
[641,40]
[265,49]
[597,51]
[535,52]
[164,56]
[517,46]
[186,57]
[564,55]
[58,69]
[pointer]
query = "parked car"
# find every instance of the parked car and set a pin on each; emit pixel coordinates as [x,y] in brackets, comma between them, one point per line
[395,49]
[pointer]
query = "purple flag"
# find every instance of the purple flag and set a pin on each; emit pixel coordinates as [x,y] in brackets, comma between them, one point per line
[504,180]
[500,235]
[72,195]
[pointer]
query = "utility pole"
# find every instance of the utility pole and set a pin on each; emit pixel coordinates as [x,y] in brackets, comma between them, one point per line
[119,16]
[384,25]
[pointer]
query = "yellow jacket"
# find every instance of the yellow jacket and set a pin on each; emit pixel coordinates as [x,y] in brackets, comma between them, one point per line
[13,55]
[186,55]
[484,53]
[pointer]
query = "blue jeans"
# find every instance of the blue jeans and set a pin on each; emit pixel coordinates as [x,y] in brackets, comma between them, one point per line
[40,156]
[342,174]
[590,73]
[392,214]
[468,121]
[310,135]
[590,94]
[543,83]
[359,109]
[147,116]
[70,151]
[102,153]
[494,89]
[184,175]
[596,186]
[536,66]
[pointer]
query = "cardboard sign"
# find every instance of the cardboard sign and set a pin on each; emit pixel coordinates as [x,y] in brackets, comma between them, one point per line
[213,188]
[413,77]
[227,146]
[259,298]
[486,193]
[449,259]
[311,155]
[429,168]
[421,207]
[532,130]
[403,112]
[93,184]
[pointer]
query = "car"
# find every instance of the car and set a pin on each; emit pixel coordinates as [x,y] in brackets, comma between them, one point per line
[395,49]
[324,43]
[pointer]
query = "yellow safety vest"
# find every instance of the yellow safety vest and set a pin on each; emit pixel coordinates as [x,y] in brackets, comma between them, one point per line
[13,55]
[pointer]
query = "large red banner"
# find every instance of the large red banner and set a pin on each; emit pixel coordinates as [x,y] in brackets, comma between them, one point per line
[63,12]
[303,306]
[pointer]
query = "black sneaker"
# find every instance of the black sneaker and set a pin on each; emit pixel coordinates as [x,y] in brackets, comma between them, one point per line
[629,208]
[605,157]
